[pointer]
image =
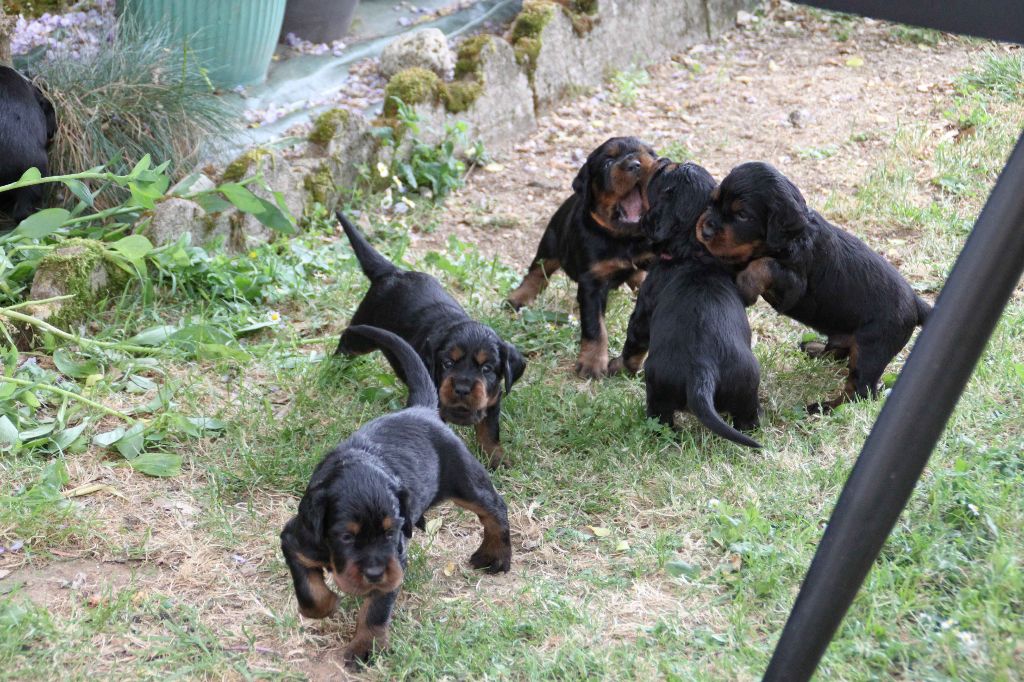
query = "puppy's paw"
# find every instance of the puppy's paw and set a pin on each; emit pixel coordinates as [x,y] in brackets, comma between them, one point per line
[497,457]
[823,408]
[326,604]
[357,653]
[814,349]
[621,365]
[589,368]
[492,559]
[515,300]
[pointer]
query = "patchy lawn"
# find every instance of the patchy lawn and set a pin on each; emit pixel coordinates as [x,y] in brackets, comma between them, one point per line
[638,553]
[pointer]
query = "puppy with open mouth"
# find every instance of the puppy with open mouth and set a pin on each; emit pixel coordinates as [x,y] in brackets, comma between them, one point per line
[595,237]
[358,512]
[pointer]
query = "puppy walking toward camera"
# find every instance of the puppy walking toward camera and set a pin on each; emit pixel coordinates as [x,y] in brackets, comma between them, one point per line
[594,236]
[467,359]
[364,498]
[690,316]
[810,270]
[27,125]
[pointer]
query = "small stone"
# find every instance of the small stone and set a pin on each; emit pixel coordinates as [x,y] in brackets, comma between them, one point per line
[404,21]
[799,118]
[427,49]
[401,208]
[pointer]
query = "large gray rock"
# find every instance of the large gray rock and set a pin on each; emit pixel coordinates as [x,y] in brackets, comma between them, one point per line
[427,48]
[174,217]
[280,175]
[504,110]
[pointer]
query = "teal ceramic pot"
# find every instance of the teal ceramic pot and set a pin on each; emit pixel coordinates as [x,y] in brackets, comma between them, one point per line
[234,39]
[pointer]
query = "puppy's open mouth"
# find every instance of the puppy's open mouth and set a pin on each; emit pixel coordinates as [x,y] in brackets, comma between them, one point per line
[461,415]
[630,208]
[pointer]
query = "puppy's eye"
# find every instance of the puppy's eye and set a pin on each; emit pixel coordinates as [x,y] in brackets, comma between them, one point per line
[447,363]
[742,215]
[390,535]
[347,538]
[487,369]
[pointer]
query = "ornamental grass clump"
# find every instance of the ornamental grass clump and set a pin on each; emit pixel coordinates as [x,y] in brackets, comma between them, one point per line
[141,95]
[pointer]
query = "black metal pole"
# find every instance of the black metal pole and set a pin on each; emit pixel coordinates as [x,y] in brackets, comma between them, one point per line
[909,425]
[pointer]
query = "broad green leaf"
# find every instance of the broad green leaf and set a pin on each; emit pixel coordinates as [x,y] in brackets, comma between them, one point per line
[108,438]
[8,432]
[31,175]
[79,189]
[141,167]
[132,442]
[157,464]
[38,432]
[153,336]
[274,218]
[256,325]
[218,351]
[681,568]
[69,366]
[208,423]
[202,333]
[211,203]
[133,247]
[65,437]
[42,223]
[139,384]
[242,198]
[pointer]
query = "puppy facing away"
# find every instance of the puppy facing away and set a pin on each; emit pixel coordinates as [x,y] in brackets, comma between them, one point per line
[467,359]
[358,512]
[594,236]
[690,317]
[27,125]
[810,270]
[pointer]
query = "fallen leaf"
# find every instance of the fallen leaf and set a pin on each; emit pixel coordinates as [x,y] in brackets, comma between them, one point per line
[855,62]
[494,168]
[622,546]
[681,568]
[598,531]
[449,569]
[433,525]
[90,488]
[743,79]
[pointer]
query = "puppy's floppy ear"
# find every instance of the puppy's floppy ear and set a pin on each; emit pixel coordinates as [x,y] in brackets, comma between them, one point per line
[313,511]
[403,508]
[787,214]
[513,364]
[581,184]
[48,112]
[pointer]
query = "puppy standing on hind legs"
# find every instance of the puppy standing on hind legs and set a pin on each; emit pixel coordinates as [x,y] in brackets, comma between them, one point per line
[690,316]
[365,496]
[810,270]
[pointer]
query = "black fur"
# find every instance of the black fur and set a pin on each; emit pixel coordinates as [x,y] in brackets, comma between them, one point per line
[690,317]
[27,124]
[594,237]
[365,496]
[468,361]
[812,271]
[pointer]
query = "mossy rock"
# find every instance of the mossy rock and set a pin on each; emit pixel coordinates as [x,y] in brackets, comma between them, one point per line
[467,61]
[79,268]
[460,95]
[326,126]
[535,15]
[319,185]
[412,86]
[241,167]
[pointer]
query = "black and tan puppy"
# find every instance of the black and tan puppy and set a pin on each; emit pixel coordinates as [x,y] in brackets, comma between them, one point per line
[810,270]
[690,316]
[594,236]
[467,359]
[364,498]
[27,124]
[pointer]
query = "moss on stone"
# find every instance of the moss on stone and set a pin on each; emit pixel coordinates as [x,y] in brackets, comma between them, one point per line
[326,126]
[460,95]
[240,167]
[414,85]
[467,60]
[77,268]
[319,184]
[535,15]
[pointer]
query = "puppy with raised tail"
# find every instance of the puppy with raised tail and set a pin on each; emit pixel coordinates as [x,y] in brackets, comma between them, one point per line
[468,360]
[358,512]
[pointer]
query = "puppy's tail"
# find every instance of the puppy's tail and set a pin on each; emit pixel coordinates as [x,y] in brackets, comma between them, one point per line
[923,310]
[421,389]
[700,400]
[373,264]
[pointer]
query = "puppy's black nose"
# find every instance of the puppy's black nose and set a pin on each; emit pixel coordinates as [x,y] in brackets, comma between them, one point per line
[708,229]
[462,389]
[632,165]
[373,574]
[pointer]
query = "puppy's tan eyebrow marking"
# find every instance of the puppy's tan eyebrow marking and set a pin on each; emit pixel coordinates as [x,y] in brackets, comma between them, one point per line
[387,523]
[482,357]
[716,192]
[736,206]
[353,527]
[457,353]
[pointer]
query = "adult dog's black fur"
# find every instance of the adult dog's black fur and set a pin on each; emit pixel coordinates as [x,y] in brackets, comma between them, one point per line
[594,236]
[27,124]
[812,271]
[467,359]
[691,317]
[364,498]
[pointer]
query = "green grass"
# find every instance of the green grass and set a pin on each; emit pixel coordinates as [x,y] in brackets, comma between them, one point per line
[640,554]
